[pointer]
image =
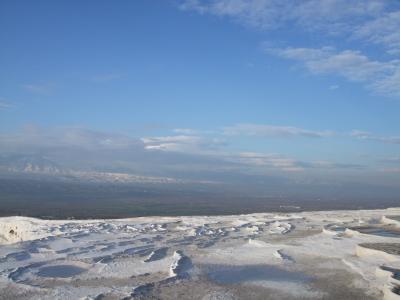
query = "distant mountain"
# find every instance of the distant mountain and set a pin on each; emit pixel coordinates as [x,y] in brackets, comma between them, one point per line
[29,164]
[36,165]
[99,177]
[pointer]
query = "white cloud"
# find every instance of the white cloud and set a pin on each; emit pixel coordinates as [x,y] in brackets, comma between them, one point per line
[382,76]
[373,22]
[212,147]
[76,146]
[335,16]
[270,161]
[323,164]
[182,143]
[389,85]
[105,78]
[331,15]
[274,131]
[5,105]
[364,135]
[383,30]
[186,131]
[37,88]
[33,138]
[287,164]
[170,143]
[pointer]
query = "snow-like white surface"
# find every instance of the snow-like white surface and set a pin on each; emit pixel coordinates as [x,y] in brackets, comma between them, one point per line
[127,257]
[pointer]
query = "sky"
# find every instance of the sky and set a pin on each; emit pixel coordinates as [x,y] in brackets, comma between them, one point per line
[307,90]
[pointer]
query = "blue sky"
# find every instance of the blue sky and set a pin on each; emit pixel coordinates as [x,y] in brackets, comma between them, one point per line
[297,88]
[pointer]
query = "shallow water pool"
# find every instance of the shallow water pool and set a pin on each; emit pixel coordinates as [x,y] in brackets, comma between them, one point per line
[60,271]
[227,274]
[381,231]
